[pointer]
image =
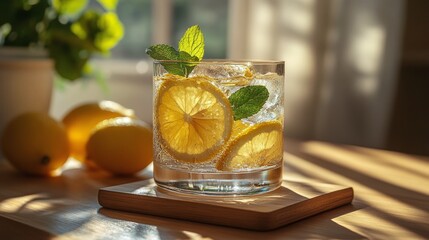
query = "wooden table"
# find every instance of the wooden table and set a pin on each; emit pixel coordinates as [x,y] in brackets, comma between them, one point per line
[391,201]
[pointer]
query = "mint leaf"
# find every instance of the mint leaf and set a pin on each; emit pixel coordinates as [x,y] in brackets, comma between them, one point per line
[162,52]
[247,101]
[166,52]
[191,50]
[192,42]
[174,68]
[187,66]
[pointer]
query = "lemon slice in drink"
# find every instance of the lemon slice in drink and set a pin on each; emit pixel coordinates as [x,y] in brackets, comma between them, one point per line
[257,146]
[194,119]
[238,127]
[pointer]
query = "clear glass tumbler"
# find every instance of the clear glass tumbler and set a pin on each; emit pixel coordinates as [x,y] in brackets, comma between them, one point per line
[218,126]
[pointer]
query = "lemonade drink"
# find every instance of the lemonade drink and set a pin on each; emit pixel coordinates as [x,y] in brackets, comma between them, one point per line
[218,125]
[219,130]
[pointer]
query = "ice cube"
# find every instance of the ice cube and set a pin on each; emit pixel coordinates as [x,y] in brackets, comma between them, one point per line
[223,71]
[273,107]
[227,77]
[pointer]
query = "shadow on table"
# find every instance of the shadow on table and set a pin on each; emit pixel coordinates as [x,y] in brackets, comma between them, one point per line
[391,191]
[318,226]
[45,203]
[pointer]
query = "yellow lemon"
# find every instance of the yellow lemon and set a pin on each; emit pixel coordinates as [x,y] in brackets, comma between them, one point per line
[81,120]
[193,119]
[238,127]
[121,145]
[257,146]
[35,143]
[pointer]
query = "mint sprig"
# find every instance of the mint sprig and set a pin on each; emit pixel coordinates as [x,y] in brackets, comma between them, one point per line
[191,49]
[245,102]
[248,101]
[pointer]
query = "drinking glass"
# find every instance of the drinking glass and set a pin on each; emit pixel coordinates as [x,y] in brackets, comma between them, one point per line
[218,126]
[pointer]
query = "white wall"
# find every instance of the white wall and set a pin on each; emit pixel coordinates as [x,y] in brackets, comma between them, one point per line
[129,83]
[341,62]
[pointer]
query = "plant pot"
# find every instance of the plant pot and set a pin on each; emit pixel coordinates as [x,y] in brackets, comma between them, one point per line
[26,82]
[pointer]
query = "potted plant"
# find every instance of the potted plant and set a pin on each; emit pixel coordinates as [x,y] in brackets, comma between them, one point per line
[41,37]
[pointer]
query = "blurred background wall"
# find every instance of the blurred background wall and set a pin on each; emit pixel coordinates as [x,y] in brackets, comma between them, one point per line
[341,63]
[356,71]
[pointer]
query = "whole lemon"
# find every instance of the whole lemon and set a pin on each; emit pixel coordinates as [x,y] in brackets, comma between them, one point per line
[81,120]
[121,146]
[35,143]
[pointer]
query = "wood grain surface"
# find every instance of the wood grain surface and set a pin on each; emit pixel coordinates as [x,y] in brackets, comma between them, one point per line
[390,201]
[289,203]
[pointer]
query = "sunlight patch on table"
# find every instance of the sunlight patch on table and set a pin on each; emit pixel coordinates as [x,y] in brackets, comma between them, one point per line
[195,236]
[370,196]
[367,166]
[22,203]
[371,226]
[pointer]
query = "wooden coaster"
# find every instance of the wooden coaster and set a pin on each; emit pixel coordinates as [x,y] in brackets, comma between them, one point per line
[289,203]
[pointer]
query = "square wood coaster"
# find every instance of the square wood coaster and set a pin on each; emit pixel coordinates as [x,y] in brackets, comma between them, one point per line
[289,203]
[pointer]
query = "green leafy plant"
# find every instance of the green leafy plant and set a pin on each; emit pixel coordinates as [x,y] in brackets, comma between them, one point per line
[72,31]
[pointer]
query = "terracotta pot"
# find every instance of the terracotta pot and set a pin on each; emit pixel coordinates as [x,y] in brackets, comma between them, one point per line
[26,81]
